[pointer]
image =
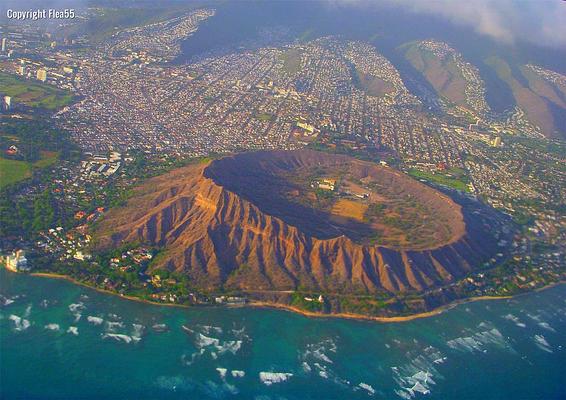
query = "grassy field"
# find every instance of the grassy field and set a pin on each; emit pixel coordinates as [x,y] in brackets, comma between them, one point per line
[265,117]
[47,159]
[13,171]
[455,178]
[291,61]
[33,94]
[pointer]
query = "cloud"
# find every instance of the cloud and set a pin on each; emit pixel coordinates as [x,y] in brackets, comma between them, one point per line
[540,22]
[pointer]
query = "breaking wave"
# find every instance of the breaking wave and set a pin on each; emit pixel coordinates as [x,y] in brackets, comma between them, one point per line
[269,378]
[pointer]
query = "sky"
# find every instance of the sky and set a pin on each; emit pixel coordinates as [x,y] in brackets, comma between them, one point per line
[540,22]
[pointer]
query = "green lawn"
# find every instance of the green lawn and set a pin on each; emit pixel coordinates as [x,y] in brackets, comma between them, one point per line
[458,180]
[12,171]
[33,94]
[47,158]
[265,117]
[291,61]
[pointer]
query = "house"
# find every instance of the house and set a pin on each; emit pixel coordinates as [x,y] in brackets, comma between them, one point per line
[327,184]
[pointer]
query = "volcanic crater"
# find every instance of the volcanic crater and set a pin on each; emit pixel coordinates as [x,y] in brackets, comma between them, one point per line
[282,220]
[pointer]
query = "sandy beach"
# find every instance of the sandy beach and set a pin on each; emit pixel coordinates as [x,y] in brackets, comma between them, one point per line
[261,304]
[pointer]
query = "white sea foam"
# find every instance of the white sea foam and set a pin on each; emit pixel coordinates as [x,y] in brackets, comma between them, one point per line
[237,373]
[76,307]
[515,319]
[240,333]
[403,394]
[73,330]
[204,341]
[367,387]
[231,346]
[306,367]
[20,324]
[118,337]
[94,320]
[137,332]
[27,312]
[546,325]
[6,301]
[222,372]
[478,341]
[209,329]
[542,344]
[318,351]
[159,328]
[196,355]
[112,326]
[535,318]
[417,376]
[269,378]
[52,327]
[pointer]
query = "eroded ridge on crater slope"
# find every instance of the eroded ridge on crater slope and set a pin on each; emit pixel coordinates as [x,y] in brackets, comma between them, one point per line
[284,220]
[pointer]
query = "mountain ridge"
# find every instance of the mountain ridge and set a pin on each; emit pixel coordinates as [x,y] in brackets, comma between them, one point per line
[222,240]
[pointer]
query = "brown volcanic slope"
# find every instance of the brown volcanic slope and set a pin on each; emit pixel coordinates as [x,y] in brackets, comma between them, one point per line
[226,224]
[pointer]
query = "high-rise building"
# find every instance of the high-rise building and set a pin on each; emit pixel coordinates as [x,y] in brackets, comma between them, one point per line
[17,261]
[7,102]
[41,75]
[4,44]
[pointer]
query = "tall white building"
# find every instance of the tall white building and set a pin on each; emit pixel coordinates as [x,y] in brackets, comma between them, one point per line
[41,75]
[4,43]
[17,261]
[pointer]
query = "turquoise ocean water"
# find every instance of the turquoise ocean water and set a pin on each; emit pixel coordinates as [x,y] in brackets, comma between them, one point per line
[62,341]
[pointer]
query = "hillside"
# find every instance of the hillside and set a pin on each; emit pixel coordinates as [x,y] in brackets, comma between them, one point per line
[541,93]
[441,67]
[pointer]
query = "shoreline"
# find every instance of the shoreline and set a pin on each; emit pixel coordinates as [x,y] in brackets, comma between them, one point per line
[308,314]
[105,291]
